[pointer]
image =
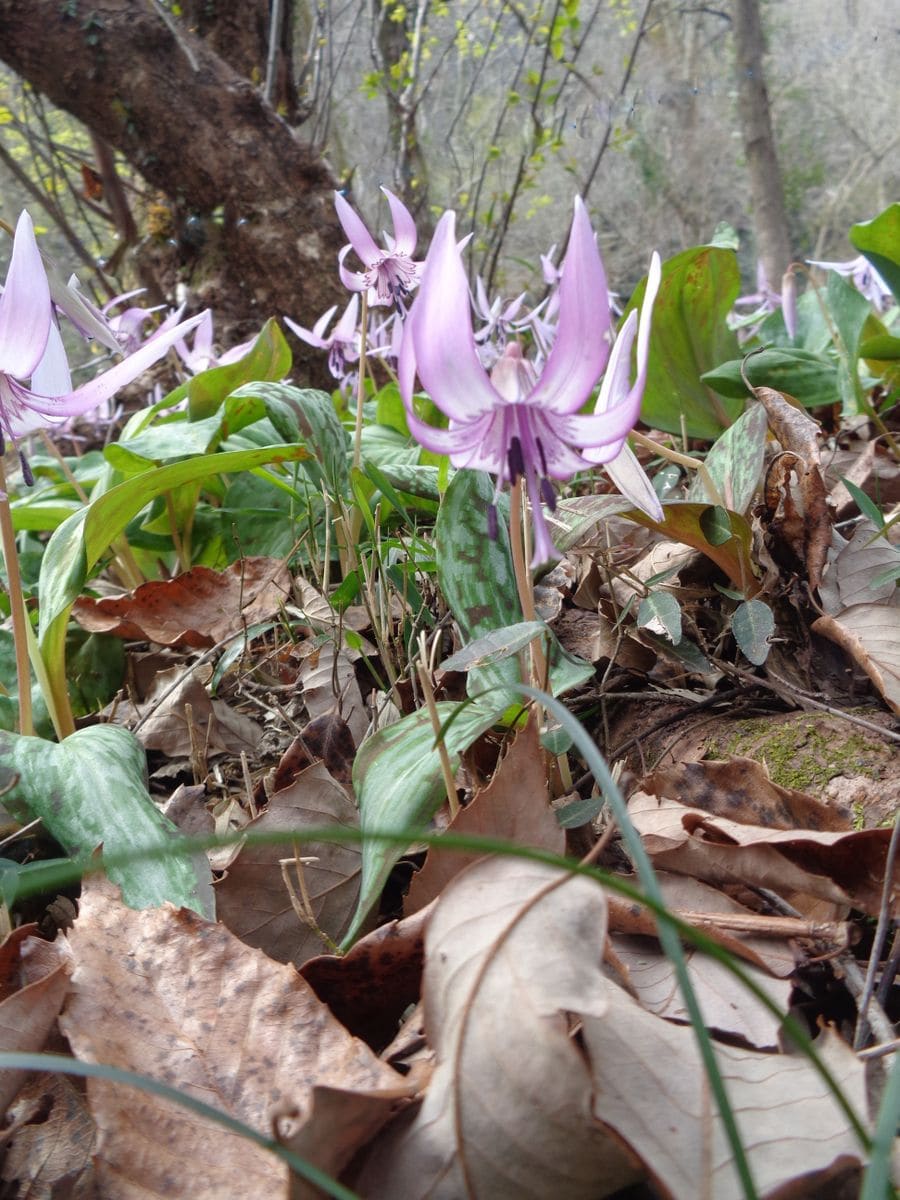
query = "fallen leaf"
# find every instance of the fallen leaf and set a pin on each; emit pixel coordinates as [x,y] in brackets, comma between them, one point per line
[329,685]
[727,1007]
[741,790]
[844,868]
[652,1090]
[200,608]
[167,994]
[870,634]
[52,1143]
[515,805]
[217,728]
[370,987]
[34,976]
[333,1128]
[252,899]
[512,948]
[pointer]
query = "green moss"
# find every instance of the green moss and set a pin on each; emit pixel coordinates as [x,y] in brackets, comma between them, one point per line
[803,752]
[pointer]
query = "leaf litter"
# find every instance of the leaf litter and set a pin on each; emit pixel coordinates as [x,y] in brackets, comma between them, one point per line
[500,1028]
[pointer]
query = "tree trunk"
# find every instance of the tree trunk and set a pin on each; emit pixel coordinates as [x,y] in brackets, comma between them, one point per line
[766,191]
[253,205]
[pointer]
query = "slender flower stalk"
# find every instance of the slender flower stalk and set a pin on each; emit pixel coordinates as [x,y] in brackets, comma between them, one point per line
[518,423]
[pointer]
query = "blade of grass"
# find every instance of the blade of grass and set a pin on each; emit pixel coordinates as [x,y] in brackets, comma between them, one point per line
[59,1064]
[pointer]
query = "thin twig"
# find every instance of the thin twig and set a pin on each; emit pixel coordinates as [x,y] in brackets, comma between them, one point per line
[881,929]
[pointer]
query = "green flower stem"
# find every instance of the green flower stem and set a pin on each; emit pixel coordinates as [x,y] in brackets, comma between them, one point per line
[17,608]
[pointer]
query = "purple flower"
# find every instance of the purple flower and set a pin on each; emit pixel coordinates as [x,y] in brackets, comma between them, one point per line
[343,342]
[390,274]
[516,423]
[31,350]
[202,354]
[865,279]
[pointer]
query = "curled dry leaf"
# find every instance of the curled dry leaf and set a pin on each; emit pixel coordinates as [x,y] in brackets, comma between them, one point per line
[740,789]
[514,805]
[252,900]
[200,608]
[843,868]
[870,634]
[512,948]
[810,529]
[34,979]
[167,994]
[214,726]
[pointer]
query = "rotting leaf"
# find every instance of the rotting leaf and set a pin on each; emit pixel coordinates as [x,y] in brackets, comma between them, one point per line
[167,994]
[798,434]
[200,608]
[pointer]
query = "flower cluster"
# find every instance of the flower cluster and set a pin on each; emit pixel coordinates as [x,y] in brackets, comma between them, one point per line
[517,417]
[35,383]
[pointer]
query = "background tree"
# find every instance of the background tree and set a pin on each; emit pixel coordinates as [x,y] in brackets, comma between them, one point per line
[769,216]
[253,224]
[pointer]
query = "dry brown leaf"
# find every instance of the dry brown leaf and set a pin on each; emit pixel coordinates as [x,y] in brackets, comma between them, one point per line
[652,1090]
[740,789]
[167,994]
[862,560]
[50,1150]
[252,899]
[34,976]
[329,686]
[798,434]
[200,608]
[514,805]
[594,637]
[369,988]
[870,634]
[337,1123]
[844,868]
[512,948]
[217,728]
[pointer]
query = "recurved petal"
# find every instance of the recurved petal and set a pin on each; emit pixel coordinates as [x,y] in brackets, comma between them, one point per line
[602,431]
[353,281]
[51,376]
[581,347]
[631,480]
[316,335]
[360,238]
[440,328]
[24,306]
[105,386]
[405,236]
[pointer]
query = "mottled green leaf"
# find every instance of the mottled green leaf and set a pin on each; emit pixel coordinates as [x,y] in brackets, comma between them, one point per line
[735,462]
[809,378]
[91,791]
[660,612]
[399,785]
